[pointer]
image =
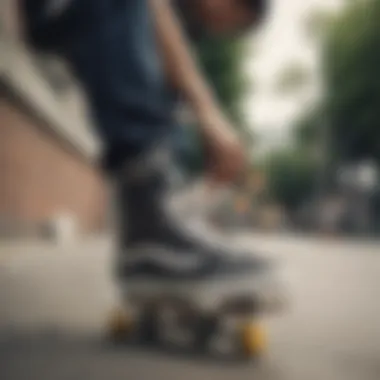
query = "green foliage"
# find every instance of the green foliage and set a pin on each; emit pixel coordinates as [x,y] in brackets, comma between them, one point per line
[311,131]
[292,79]
[346,125]
[351,64]
[318,24]
[307,131]
[291,177]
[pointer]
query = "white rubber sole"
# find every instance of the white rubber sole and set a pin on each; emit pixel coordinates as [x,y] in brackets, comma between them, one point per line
[210,295]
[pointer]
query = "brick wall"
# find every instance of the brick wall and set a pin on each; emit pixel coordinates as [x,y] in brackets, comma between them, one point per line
[40,177]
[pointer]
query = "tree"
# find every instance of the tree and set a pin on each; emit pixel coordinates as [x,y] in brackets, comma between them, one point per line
[290,177]
[307,131]
[351,60]
[318,24]
[292,79]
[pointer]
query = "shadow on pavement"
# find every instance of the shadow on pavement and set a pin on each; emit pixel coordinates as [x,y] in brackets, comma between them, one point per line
[54,355]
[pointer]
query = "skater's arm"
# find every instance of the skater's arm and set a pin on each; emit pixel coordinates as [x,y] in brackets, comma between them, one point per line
[181,64]
[225,153]
[13,19]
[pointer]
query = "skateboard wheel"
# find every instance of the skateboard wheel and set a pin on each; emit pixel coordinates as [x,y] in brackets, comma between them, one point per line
[253,340]
[120,325]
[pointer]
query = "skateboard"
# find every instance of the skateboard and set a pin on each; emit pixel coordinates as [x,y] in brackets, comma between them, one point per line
[232,327]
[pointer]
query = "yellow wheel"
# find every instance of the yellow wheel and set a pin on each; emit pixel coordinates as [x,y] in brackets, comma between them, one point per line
[253,340]
[120,325]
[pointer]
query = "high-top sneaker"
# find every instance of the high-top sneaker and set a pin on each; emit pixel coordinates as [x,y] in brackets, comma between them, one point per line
[160,254]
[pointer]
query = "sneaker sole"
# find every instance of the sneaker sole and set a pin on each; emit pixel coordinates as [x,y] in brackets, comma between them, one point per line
[250,295]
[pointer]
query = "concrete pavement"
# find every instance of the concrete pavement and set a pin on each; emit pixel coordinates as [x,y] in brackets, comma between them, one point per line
[55,302]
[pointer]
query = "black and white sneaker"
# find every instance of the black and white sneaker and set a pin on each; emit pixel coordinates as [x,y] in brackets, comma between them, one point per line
[163,255]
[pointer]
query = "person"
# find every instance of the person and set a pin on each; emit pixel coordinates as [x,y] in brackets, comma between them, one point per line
[130,57]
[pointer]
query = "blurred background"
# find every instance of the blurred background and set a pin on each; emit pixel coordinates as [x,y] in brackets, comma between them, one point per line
[304,92]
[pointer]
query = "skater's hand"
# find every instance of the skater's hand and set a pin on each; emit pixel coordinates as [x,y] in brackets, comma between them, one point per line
[225,152]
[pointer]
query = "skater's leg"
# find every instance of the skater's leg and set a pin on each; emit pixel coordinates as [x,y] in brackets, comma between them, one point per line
[115,57]
[111,48]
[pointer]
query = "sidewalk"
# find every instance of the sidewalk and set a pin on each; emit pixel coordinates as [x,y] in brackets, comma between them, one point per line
[39,246]
[67,288]
[307,243]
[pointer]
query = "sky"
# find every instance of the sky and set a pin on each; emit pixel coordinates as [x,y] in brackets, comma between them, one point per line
[281,42]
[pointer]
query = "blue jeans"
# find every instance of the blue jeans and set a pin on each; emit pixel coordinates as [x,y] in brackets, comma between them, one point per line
[111,48]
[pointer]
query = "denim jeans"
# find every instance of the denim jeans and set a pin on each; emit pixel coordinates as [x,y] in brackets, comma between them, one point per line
[111,47]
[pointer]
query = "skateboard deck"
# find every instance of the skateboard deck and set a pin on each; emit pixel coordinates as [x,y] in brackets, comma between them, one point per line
[234,326]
